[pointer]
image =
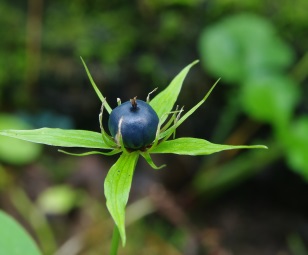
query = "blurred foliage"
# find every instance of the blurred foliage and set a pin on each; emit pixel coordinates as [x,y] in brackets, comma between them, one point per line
[12,48]
[59,199]
[246,51]
[296,145]
[242,47]
[258,48]
[14,151]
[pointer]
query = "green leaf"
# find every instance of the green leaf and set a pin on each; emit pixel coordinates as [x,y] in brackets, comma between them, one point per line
[166,134]
[117,186]
[196,146]
[99,94]
[14,240]
[59,137]
[165,100]
[59,199]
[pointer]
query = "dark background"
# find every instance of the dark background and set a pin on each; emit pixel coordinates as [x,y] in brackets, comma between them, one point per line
[237,202]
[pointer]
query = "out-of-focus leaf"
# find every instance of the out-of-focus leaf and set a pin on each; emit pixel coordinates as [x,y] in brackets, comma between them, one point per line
[59,137]
[165,100]
[271,99]
[196,146]
[117,186]
[59,199]
[242,46]
[219,53]
[297,146]
[15,151]
[14,239]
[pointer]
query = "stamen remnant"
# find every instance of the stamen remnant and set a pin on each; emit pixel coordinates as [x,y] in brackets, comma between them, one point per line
[134,102]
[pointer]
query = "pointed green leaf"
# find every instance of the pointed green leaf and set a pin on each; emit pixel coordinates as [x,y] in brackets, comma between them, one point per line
[14,239]
[172,129]
[117,186]
[165,100]
[196,146]
[59,137]
[98,93]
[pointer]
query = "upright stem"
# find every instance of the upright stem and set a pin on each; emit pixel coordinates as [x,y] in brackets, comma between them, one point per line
[115,241]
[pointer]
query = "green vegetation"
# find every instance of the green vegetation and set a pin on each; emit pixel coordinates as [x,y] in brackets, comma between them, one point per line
[257,48]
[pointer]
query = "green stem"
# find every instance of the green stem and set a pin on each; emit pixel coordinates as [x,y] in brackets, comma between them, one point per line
[115,241]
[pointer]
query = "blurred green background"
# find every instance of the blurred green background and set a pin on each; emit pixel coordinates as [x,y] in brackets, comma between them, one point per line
[247,202]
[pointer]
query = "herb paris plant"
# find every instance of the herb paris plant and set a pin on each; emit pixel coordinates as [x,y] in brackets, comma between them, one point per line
[118,181]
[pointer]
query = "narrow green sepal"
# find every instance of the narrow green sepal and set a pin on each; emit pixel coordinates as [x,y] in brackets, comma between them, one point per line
[159,129]
[98,93]
[166,134]
[116,151]
[106,138]
[170,121]
[148,159]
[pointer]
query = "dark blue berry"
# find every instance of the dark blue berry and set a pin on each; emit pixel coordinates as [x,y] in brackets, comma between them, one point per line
[139,123]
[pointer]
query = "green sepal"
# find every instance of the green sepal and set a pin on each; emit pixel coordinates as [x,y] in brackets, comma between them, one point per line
[149,160]
[110,153]
[159,129]
[165,100]
[106,138]
[196,146]
[117,187]
[170,121]
[59,137]
[99,94]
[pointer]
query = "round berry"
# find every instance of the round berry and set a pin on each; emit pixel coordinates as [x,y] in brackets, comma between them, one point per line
[139,123]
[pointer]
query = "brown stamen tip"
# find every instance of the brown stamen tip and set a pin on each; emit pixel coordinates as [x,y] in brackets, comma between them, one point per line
[134,102]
